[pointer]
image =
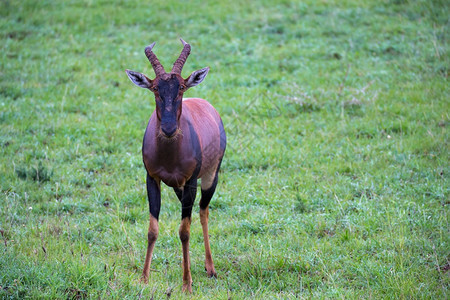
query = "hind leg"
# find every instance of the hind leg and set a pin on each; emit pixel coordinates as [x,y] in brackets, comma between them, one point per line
[209,183]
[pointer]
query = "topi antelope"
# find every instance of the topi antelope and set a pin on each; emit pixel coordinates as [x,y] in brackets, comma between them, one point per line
[184,141]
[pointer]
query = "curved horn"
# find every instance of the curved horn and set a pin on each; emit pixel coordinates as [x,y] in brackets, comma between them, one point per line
[157,67]
[178,65]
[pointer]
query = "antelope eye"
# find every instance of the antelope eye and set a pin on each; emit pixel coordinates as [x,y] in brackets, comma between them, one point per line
[182,87]
[154,88]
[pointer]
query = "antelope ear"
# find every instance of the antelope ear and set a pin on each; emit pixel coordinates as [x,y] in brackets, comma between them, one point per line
[196,77]
[139,79]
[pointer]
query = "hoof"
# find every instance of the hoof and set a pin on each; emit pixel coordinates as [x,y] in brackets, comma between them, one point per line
[211,272]
[187,288]
[144,279]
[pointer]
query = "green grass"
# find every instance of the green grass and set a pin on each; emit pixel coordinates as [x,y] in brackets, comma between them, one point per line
[334,183]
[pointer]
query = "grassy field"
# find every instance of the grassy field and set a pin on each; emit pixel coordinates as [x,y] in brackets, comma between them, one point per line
[335,183]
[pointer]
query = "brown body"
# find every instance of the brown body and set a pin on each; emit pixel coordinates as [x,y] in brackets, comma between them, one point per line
[174,161]
[184,141]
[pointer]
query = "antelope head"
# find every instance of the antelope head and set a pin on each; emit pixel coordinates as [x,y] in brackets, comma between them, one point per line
[168,88]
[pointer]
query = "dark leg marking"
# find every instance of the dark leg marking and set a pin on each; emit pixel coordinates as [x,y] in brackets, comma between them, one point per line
[188,197]
[154,196]
[179,193]
[208,194]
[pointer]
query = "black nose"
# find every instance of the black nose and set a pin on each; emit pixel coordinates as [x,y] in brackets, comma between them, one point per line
[169,132]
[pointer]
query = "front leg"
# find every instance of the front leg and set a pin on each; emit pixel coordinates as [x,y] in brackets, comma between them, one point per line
[154,202]
[187,201]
